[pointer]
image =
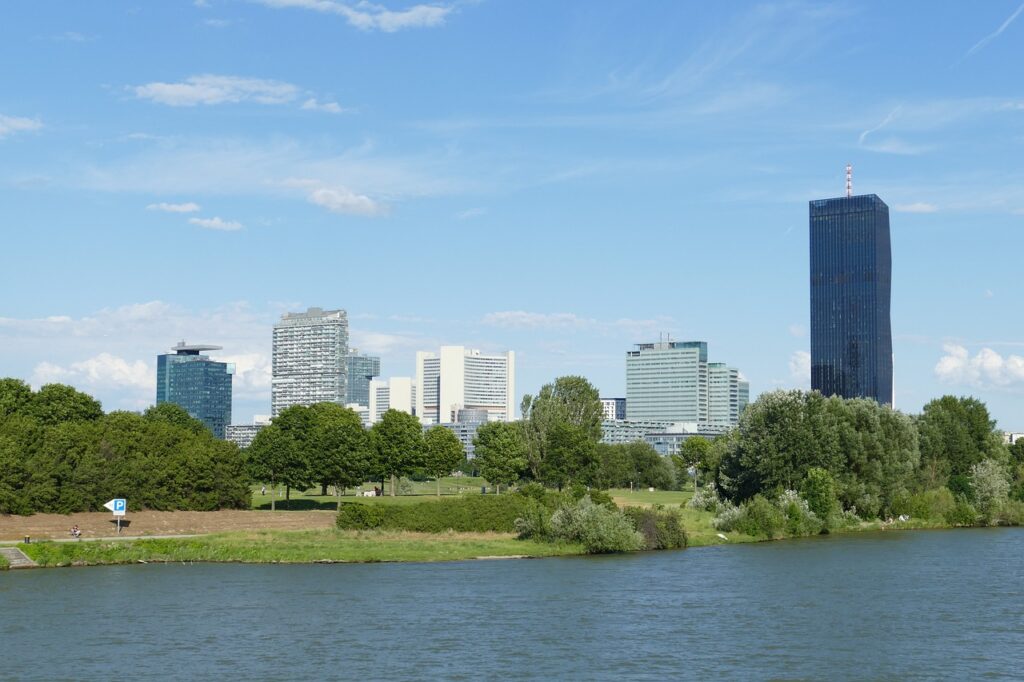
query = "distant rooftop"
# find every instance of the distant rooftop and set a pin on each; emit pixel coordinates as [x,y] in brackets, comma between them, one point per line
[193,349]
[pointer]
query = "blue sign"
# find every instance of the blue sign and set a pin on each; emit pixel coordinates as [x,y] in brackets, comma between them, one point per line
[119,505]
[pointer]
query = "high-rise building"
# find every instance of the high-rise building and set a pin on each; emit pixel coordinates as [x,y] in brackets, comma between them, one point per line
[243,435]
[672,381]
[613,409]
[198,384]
[396,393]
[309,355]
[361,369]
[851,279]
[728,394]
[461,378]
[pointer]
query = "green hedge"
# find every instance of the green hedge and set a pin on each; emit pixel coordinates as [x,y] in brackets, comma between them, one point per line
[469,514]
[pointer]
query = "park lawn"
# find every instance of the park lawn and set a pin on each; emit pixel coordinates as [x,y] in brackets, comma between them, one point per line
[312,499]
[296,547]
[624,497]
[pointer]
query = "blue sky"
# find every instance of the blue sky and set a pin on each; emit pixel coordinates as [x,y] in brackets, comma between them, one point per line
[563,179]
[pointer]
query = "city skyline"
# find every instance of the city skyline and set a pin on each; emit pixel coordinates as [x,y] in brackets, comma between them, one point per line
[567,198]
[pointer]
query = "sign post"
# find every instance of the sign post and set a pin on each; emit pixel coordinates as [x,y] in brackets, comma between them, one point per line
[118,506]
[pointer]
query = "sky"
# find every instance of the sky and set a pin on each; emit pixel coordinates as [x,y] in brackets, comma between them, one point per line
[562,179]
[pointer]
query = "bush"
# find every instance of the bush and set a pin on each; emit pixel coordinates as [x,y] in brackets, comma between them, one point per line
[661,528]
[355,516]
[599,529]
[535,523]
[797,514]
[963,513]
[706,499]
[470,514]
[756,517]
[1012,513]
[819,489]
[930,504]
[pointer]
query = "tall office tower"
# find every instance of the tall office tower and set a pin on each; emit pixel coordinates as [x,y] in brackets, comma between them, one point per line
[310,351]
[461,378]
[727,394]
[851,280]
[361,369]
[198,384]
[613,409]
[667,381]
[396,393]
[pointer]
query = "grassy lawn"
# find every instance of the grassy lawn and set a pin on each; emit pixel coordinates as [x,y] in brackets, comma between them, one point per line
[624,497]
[312,499]
[4,565]
[296,547]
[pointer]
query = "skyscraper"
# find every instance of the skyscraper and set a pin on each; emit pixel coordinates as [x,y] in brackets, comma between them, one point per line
[396,393]
[361,369]
[727,394]
[193,381]
[461,378]
[309,359]
[851,279]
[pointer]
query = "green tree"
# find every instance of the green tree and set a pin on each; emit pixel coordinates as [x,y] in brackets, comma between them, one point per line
[15,397]
[338,448]
[990,487]
[176,415]
[819,489]
[569,400]
[570,456]
[500,452]
[279,455]
[693,454]
[955,434]
[650,469]
[398,440]
[614,466]
[443,453]
[56,403]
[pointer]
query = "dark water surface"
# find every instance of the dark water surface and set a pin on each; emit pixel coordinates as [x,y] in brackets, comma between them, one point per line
[911,605]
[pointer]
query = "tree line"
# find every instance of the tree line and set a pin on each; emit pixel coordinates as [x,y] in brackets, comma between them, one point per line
[59,453]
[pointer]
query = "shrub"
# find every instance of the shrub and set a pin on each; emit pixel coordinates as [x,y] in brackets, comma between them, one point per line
[797,515]
[819,489]
[990,486]
[706,499]
[757,517]
[661,528]
[728,517]
[469,514]
[355,516]
[535,522]
[1012,513]
[599,529]
[931,504]
[963,513]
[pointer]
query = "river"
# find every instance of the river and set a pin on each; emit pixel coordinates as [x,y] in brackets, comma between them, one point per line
[893,605]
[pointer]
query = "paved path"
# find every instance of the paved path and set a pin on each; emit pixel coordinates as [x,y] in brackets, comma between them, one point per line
[112,537]
[16,558]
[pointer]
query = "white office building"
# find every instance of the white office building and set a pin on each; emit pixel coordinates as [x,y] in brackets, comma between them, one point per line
[458,378]
[728,394]
[613,409]
[396,393]
[309,356]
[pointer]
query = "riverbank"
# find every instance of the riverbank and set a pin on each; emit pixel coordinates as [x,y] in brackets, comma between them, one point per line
[286,547]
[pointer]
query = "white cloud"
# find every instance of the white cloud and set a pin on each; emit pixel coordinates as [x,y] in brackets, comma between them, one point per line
[188,207]
[214,89]
[253,373]
[995,34]
[800,368]
[10,125]
[916,207]
[216,223]
[103,371]
[343,200]
[312,104]
[367,16]
[520,319]
[985,369]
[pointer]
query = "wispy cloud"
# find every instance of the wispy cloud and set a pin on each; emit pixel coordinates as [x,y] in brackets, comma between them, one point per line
[891,144]
[800,368]
[9,125]
[210,89]
[520,319]
[368,16]
[312,104]
[343,200]
[189,207]
[216,223]
[995,34]
[471,213]
[916,207]
[986,369]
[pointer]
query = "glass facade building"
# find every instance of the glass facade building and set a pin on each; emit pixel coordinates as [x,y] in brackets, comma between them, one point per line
[362,369]
[201,386]
[851,280]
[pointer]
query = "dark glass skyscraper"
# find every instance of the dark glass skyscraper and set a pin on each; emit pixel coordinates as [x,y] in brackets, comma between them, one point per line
[361,370]
[851,279]
[198,384]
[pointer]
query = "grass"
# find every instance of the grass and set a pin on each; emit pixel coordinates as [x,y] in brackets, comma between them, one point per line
[312,499]
[295,547]
[4,564]
[624,497]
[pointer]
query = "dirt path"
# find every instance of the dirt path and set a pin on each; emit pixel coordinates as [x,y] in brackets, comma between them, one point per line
[99,524]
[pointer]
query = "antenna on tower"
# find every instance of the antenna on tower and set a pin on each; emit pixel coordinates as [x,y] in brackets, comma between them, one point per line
[849,181]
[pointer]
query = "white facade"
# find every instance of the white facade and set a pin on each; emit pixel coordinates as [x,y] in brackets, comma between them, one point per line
[396,393]
[459,378]
[1011,437]
[728,394]
[613,409]
[309,351]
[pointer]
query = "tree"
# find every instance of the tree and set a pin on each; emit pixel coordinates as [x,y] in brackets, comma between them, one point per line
[338,448]
[56,403]
[443,453]
[650,469]
[955,434]
[500,451]
[279,455]
[398,440]
[15,397]
[819,489]
[990,487]
[176,415]
[614,466]
[569,400]
[694,454]
[571,456]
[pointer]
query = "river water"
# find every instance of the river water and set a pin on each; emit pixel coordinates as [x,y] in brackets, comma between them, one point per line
[894,605]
